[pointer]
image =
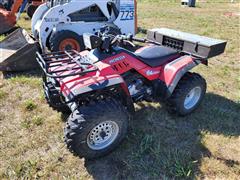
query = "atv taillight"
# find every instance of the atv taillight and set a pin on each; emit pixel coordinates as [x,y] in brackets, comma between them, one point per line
[173,43]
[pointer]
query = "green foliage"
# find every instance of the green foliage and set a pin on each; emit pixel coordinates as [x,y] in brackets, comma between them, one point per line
[29,122]
[26,80]
[2,37]
[30,105]
[2,94]
[37,120]
[25,169]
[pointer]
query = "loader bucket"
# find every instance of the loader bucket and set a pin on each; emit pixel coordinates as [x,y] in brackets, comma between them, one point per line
[17,52]
[8,21]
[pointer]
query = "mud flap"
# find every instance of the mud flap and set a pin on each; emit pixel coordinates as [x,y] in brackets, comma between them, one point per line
[17,52]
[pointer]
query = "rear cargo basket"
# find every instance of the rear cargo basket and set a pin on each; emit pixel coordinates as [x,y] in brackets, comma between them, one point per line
[193,44]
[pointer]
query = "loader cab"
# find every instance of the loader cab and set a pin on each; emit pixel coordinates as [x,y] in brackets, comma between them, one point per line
[52,3]
[90,14]
[113,9]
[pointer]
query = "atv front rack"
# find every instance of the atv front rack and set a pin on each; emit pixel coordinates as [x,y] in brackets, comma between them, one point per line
[62,64]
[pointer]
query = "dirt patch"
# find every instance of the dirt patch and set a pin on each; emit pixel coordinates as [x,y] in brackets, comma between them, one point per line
[230,14]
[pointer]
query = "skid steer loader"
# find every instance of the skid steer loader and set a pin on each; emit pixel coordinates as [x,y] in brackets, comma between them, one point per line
[60,24]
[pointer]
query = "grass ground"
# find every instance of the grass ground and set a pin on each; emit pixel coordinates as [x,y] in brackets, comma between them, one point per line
[204,145]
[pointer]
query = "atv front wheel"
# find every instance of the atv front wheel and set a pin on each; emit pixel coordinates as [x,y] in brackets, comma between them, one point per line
[188,94]
[96,129]
[53,99]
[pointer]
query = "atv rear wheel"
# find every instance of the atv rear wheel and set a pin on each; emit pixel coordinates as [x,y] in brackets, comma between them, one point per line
[188,94]
[66,40]
[96,129]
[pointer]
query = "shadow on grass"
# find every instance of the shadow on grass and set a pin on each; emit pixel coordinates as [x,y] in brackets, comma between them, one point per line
[32,73]
[160,145]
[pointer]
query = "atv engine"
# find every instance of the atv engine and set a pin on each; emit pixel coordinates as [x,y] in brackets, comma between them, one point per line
[138,89]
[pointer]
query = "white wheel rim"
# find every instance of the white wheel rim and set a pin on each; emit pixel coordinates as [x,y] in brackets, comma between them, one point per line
[192,98]
[102,135]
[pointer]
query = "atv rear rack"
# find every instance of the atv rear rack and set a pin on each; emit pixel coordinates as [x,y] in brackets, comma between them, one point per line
[63,64]
[199,46]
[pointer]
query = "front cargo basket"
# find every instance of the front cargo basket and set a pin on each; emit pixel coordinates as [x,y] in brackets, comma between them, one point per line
[65,63]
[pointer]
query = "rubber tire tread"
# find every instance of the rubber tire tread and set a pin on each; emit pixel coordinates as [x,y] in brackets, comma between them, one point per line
[175,104]
[82,120]
[57,37]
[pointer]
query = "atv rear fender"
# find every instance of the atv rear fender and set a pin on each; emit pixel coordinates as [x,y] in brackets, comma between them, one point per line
[175,70]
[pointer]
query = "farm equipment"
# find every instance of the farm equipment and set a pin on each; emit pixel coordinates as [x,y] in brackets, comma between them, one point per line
[17,52]
[59,25]
[6,4]
[99,86]
[32,7]
[8,19]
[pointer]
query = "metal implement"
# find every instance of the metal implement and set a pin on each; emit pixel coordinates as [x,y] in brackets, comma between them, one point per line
[17,52]
[8,19]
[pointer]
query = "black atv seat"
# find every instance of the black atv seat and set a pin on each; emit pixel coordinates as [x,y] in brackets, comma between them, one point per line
[157,55]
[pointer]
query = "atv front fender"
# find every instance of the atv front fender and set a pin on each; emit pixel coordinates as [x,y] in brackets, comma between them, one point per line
[82,88]
[90,84]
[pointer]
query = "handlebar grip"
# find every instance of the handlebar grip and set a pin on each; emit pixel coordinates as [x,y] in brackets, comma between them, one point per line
[139,39]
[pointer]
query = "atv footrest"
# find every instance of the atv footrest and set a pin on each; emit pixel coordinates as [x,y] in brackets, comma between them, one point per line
[65,63]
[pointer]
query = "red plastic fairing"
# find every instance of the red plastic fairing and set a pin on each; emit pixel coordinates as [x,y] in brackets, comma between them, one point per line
[174,68]
[151,73]
[123,62]
[104,77]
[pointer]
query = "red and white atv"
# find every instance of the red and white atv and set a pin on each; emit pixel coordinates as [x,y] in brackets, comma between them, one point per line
[100,85]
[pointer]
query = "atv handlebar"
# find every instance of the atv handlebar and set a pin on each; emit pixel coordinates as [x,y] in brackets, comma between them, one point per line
[142,40]
[128,38]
